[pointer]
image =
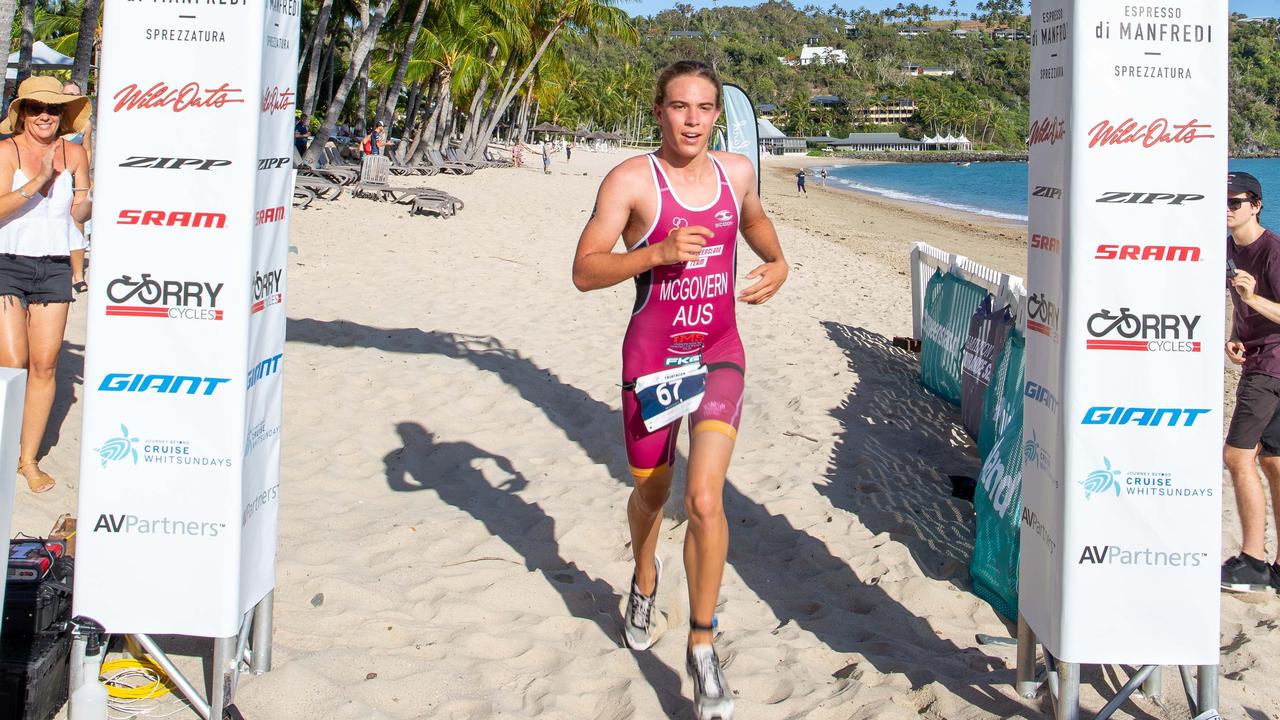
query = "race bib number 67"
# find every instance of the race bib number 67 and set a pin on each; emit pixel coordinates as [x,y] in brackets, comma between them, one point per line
[669,395]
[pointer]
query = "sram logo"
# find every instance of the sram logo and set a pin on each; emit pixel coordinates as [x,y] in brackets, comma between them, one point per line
[1157,253]
[1045,242]
[172,163]
[172,218]
[1148,198]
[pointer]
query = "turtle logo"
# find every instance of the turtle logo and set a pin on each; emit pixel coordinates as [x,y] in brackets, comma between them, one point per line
[118,448]
[1100,481]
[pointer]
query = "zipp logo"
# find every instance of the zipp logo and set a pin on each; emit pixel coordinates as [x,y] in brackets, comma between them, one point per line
[1045,191]
[274,163]
[170,163]
[1146,198]
[277,98]
[172,218]
[1156,253]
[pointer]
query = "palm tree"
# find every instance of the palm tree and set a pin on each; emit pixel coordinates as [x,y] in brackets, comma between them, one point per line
[86,40]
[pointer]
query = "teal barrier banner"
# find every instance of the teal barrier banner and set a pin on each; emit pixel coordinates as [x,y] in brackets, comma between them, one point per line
[949,305]
[998,500]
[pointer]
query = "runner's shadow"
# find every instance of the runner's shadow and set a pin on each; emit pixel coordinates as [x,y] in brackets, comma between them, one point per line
[897,447]
[70,374]
[789,570]
[424,463]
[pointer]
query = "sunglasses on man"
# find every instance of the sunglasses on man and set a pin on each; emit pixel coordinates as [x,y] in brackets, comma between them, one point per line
[39,108]
[1235,203]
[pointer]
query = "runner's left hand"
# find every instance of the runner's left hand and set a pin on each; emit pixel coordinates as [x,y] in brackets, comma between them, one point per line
[1244,284]
[772,275]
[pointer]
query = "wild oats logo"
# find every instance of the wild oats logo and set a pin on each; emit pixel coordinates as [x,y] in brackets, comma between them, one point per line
[118,448]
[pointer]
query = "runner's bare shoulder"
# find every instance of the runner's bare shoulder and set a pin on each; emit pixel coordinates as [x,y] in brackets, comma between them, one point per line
[627,179]
[741,172]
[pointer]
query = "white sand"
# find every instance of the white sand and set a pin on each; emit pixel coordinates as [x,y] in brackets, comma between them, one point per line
[452,536]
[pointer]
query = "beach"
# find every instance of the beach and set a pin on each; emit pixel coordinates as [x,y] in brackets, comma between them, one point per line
[453,483]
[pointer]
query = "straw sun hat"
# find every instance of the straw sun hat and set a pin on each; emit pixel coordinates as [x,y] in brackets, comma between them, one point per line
[48,90]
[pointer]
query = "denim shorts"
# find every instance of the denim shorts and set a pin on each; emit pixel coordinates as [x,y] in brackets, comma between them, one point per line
[39,280]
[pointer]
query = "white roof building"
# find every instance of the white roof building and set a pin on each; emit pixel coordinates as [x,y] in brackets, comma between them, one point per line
[822,54]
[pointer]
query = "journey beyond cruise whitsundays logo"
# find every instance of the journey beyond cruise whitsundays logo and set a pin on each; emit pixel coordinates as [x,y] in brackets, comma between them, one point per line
[154,451]
[1108,481]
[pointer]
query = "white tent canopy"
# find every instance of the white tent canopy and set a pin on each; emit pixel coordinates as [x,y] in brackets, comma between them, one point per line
[43,57]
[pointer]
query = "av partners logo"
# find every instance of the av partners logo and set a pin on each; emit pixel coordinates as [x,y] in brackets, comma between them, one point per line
[1116,555]
[1142,333]
[172,299]
[267,289]
[128,524]
[1108,482]
[188,97]
[1148,135]
[1043,315]
[128,450]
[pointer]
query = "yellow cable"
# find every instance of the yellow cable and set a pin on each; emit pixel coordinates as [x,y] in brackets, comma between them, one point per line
[153,689]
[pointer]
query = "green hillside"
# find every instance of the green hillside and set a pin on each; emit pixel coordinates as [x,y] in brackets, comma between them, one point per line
[983,95]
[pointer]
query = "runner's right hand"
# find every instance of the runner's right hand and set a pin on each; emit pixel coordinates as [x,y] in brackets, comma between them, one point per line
[1235,351]
[683,244]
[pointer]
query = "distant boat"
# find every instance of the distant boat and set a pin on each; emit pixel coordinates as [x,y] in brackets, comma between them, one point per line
[962,164]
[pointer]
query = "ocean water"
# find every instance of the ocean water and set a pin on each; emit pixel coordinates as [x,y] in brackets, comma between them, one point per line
[996,189]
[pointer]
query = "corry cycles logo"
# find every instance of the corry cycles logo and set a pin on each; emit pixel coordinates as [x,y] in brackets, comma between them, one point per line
[172,163]
[1042,315]
[276,98]
[1147,198]
[1046,243]
[1047,131]
[1142,416]
[1108,482]
[267,289]
[188,97]
[161,384]
[1148,135]
[173,299]
[127,449]
[1142,333]
[1154,253]
[172,218]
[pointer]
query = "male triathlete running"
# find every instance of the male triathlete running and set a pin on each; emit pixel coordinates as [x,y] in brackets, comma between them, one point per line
[679,212]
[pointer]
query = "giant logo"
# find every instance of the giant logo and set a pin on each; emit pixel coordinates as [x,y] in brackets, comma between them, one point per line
[161,384]
[1142,333]
[1148,135]
[173,299]
[1154,253]
[264,369]
[1142,416]
[172,218]
[188,97]
[1041,394]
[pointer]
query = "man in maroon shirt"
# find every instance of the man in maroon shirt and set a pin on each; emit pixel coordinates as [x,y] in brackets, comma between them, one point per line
[1253,268]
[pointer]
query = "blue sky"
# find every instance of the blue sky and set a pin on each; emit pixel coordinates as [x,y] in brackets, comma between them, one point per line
[1267,8]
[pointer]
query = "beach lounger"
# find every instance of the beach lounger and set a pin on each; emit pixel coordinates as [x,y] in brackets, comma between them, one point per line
[448,167]
[374,184]
[302,197]
[451,154]
[400,167]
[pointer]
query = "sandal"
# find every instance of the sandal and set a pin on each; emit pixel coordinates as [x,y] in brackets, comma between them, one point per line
[41,482]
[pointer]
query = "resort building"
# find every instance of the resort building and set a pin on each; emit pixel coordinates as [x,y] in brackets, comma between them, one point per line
[766,109]
[1010,34]
[886,112]
[826,101]
[822,55]
[927,70]
[775,142]
[876,141]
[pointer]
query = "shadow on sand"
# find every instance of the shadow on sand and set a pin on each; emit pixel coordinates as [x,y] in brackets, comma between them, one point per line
[70,375]
[792,572]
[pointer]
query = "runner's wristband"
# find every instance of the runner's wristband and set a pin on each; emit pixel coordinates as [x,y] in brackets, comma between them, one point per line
[25,195]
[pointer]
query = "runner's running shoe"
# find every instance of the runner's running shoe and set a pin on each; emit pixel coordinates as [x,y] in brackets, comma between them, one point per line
[712,699]
[1241,575]
[640,622]
[1275,577]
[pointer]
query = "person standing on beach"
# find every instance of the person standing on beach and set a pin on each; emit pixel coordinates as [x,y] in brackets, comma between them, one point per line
[1253,269]
[800,183]
[679,211]
[824,177]
[546,158]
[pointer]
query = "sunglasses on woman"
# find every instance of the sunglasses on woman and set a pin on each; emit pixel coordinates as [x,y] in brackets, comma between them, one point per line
[1235,203]
[39,108]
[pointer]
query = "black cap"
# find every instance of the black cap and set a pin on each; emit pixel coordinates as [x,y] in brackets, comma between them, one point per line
[1238,182]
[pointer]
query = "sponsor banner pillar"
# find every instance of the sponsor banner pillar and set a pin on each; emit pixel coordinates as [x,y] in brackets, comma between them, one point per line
[1126,257]
[180,466]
